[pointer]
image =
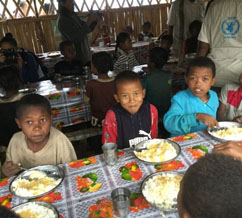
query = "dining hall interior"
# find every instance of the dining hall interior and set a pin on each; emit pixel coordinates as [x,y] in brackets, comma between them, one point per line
[120,108]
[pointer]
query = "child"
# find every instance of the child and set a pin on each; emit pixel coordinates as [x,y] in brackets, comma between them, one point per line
[191,43]
[69,66]
[230,102]
[38,143]
[10,83]
[194,108]
[132,120]
[99,93]
[124,54]
[146,35]
[211,188]
[166,43]
[158,82]
[104,36]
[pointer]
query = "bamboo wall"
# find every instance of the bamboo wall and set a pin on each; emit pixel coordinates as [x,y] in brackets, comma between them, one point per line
[37,34]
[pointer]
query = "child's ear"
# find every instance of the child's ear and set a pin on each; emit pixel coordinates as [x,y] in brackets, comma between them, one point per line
[116,97]
[214,79]
[18,123]
[143,92]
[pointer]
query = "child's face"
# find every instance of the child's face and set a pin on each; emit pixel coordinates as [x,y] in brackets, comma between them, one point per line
[165,44]
[35,123]
[199,81]
[69,52]
[146,29]
[130,94]
[127,45]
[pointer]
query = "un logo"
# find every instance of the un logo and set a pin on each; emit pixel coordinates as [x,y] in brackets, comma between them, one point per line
[230,27]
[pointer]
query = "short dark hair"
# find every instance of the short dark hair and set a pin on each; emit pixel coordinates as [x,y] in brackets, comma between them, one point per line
[6,213]
[147,23]
[126,76]
[166,37]
[10,80]
[64,44]
[121,38]
[158,56]
[212,187]
[32,100]
[8,38]
[196,24]
[201,62]
[102,61]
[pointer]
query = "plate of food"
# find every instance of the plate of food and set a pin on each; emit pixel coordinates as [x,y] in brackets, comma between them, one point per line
[36,209]
[160,190]
[54,54]
[157,151]
[227,131]
[37,181]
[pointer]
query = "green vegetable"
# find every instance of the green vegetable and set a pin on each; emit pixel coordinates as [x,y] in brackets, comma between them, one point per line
[126,176]
[84,189]
[134,196]
[124,170]
[201,147]
[92,176]
[158,167]
[86,162]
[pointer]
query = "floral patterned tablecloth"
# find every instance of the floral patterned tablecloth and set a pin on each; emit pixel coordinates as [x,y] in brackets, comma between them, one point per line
[88,182]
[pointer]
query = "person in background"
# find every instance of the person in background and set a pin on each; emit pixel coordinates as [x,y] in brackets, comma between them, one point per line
[194,108]
[99,93]
[129,29]
[24,8]
[158,82]
[38,143]
[220,39]
[166,42]
[124,54]
[103,35]
[192,42]
[230,107]
[145,35]
[132,120]
[211,188]
[10,83]
[181,14]
[30,69]
[72,28]
[70,65]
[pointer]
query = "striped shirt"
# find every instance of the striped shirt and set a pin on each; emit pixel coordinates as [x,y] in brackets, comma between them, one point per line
[125,61]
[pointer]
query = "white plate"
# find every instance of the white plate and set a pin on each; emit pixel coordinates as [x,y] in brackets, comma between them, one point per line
[50,170]
[222,125]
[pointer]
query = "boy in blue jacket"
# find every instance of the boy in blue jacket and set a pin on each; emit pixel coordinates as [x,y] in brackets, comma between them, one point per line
[194,108]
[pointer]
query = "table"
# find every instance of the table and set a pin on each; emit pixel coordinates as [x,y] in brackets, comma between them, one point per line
[73,204]
[66,100]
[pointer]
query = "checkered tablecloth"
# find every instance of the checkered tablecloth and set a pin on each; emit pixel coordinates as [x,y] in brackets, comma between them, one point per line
[74,204]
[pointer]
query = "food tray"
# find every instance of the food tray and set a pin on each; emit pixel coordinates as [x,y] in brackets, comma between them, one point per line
[50,170]
[153,175]
[151,141]
[223,125]
[41,203]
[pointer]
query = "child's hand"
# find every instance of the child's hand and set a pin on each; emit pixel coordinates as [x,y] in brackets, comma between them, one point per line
[9,168]
[238,119]
[229,148]
[207,119]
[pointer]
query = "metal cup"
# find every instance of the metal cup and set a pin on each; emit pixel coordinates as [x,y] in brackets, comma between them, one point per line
[110,152]
[121,201]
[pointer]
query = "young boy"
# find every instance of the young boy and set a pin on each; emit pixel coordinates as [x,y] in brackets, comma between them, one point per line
[194,108]
[99,93]
[158,82]
[38,143]
[145,35]
[132,120]
[69,66]
[230,102]
[211,188]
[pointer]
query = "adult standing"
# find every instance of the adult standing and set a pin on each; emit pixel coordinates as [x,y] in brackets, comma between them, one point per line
[76,30]
[181,14]
[221,39]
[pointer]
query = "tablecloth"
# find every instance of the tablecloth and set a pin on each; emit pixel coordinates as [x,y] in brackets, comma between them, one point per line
[71,203]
